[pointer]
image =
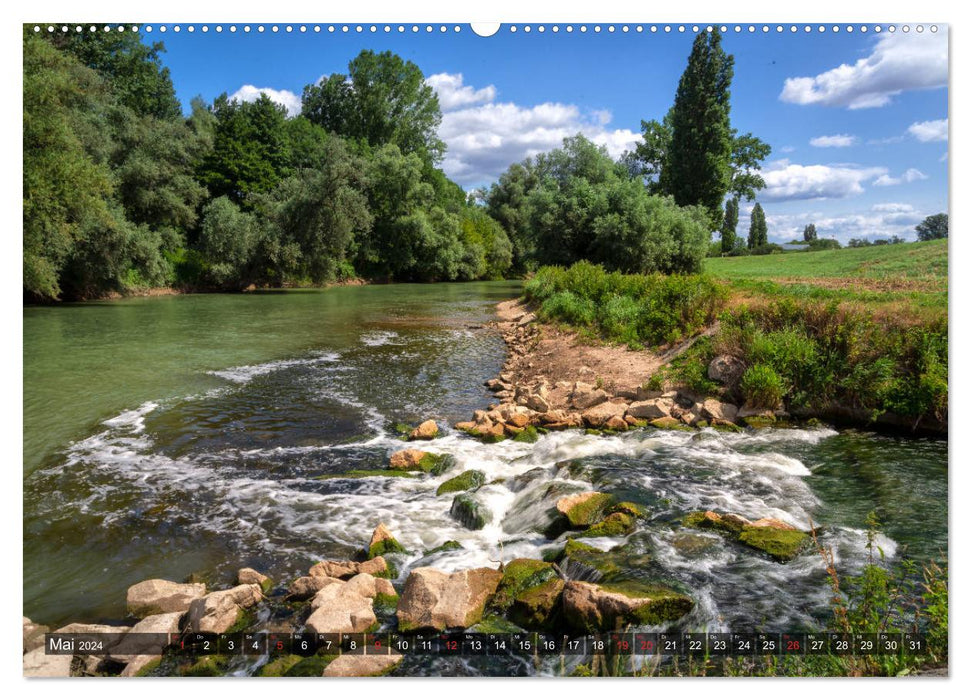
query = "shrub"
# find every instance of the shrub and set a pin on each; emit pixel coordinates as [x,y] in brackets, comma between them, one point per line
[568,307]
[762,386]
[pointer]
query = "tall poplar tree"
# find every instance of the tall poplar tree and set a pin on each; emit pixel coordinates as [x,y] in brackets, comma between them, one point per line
[729,224]
[758,231]
[698,161]
[809,233]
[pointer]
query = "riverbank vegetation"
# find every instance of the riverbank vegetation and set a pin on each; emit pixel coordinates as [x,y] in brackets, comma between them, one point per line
[812,357]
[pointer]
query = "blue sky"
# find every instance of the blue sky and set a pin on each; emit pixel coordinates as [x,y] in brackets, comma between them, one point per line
[856,121]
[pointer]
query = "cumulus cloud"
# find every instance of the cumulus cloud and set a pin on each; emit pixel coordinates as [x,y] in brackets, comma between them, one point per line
[880,221]
[935,130]
[910,175]
[485,136]
[897,63]
[791,181]
[453,93]
[251,93]
[834,141]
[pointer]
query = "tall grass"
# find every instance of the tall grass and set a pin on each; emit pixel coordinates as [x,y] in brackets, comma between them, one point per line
[634,309]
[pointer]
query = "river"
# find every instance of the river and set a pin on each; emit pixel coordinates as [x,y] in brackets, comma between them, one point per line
[186,436]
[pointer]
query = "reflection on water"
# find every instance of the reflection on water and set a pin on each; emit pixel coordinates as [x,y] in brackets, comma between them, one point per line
[225,473]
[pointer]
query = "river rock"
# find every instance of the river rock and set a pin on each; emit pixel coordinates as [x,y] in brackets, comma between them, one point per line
[37,664]
[370,586]
[529,593]
[651,409]
[248,575]
[408,460]
[357,666]
[761,413]
[616,423]
[713,409]
[383,542]
[341,608]
[166,623]
[726,369]
[347,569]
[597,416]
[157,596]
[306,587]
[470,511]
[434,600]
[536,402]
[219,611]
[591,607]
[465,425]
[427,430]
[585,396]
[772,522]
[468,480]
[33,635]
[583,509]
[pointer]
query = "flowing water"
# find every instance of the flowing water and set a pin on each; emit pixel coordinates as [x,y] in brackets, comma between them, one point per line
[179,436]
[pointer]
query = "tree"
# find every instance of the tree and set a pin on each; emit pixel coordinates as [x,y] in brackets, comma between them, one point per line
[250,153]
[809,233]
[227,241]
[729,224]
[697,164]
[758,230]
[382,100]
[932,228]
[135,71]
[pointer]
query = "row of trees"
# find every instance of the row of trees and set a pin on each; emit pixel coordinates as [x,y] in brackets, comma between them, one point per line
[122,191]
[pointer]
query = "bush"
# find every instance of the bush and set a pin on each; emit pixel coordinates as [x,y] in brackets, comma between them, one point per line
[762,386]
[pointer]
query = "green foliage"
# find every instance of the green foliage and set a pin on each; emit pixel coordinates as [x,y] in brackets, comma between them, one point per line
[729,224]
[382,100]
[228,236]
[762,386]
[646,309]
[758,230]
[932,228]
[824,244]
[809,233]
[697,165]
[575,203]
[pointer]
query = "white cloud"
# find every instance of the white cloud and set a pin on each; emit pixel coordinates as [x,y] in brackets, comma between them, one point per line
[484,139]
[911,175]
[834,141]
[898,62]
[452,93]
[787,149]
[880,221]
[790,181]
[250,93]
[935,130]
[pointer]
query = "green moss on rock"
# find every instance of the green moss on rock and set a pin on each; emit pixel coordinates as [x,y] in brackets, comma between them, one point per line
[614,525]
[466,481]
[518,576]
[492,623]
[310,666]
[665,604]
[214,665]
[630,508]
[435,464]
[588,511]
[278,667]
[449,546]
[781,545]
[470,512]
[592,558]
[668,423]
[389,545]
[527,434]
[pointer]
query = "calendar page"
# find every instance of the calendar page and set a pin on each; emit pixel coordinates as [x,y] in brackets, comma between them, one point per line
[437,349]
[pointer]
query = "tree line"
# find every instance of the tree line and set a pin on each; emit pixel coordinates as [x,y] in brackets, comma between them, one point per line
[123,191]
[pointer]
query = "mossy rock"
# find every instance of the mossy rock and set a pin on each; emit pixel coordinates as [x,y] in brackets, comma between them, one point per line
[214,665]
[436,464]
[386,602]
[466,481]
[666,605]
[470,512]
[614,525]
[369,473]
[668,423]
[631,509]
[245,619]
[781,545]
[760,421]
[492,623]
[592,558]
[518,576]
[692,545]
[278,667]
[449,546]
[310,666]
[149,668]
[389,545]
[726,427]
[528,434]
[700,520]
[589,511]
[554,555]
